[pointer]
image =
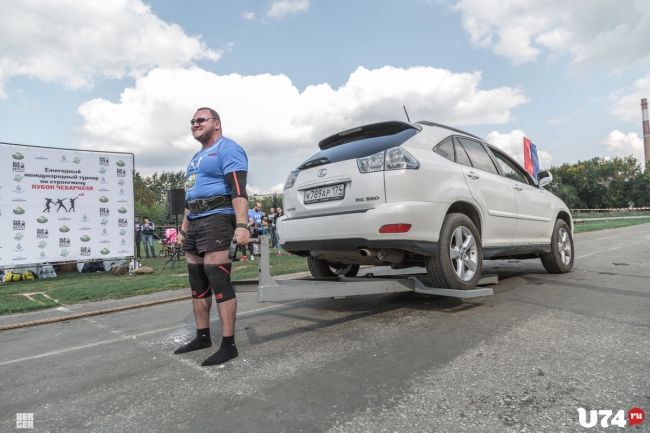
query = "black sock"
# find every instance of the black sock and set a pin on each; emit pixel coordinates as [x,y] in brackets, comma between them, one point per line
[226,352]
[201,341]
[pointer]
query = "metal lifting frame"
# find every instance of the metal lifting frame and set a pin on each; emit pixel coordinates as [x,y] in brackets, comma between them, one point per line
[270,289]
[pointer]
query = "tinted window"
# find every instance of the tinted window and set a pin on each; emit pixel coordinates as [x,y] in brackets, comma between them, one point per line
[446,149]
[361,148]
[478,155]
[509,169]
[461,155]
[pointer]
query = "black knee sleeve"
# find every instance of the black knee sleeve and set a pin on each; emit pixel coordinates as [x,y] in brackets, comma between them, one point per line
[219,276]
[199,281]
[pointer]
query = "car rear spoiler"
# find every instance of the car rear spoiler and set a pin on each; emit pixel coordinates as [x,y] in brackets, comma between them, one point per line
[366,131]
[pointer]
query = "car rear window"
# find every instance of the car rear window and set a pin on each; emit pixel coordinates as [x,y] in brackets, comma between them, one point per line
[359,148]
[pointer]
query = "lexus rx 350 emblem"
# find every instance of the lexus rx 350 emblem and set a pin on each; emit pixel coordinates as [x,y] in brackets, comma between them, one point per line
[322,172]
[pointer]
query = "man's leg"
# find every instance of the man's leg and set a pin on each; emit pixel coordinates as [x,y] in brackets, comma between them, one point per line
[201,303]
[217,268]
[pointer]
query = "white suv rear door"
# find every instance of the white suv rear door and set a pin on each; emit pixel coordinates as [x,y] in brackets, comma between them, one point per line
[493,192]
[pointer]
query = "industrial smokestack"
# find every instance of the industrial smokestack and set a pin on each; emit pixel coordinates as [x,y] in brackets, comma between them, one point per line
[646,132]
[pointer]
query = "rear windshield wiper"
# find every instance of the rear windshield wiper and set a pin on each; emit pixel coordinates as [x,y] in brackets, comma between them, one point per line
[314,163]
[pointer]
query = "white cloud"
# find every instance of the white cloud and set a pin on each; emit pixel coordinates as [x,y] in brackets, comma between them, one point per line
[248,15]
[276,123]
[608,33]
[513,144]
[621,145]
[282,8]
[77,42]
[628,107]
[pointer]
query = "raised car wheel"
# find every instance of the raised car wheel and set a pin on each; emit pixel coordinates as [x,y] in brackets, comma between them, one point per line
[324,269]
[560,259]
[459,261]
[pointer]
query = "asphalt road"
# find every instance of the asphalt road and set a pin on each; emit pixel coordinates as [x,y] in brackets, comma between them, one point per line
[524,359]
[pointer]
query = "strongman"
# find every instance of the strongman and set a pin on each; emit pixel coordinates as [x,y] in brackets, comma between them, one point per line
[216,209]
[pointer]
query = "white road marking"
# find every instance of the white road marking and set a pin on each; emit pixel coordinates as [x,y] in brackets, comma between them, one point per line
[126,337]
[610,249]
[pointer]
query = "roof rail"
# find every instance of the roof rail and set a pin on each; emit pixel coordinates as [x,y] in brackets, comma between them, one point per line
[426,122]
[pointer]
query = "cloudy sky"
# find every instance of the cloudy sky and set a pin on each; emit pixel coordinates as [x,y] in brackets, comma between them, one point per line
[127,75]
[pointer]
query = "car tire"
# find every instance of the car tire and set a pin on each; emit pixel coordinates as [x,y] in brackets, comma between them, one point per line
[323,269]
[459,250]
[560,259]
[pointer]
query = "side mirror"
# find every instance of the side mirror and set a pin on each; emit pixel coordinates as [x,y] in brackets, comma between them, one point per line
[544,177]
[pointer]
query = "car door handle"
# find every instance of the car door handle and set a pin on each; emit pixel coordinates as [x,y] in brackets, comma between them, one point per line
[518,188]
[473,175]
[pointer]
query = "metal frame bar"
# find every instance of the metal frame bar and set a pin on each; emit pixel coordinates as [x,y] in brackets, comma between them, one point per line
[269,289]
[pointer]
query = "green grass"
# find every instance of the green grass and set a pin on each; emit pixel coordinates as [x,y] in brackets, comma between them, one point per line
[578,215]
[590,226]
[73,287]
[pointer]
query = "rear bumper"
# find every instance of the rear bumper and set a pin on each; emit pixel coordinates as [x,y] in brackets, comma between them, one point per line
[353,231]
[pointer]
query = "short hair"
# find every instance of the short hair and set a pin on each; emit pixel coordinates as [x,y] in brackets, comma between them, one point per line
[212,112]
[146,218]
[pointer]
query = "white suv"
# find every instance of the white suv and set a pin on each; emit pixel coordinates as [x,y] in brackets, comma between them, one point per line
[420,194]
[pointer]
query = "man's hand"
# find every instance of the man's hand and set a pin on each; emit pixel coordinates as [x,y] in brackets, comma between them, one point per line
[179,240]
[242,235]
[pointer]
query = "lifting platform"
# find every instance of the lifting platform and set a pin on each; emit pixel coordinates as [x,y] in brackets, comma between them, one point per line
[271,290]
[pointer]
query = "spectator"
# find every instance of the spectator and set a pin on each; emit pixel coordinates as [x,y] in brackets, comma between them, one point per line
[277,236]
[147,237]
[137,236]
[271,219]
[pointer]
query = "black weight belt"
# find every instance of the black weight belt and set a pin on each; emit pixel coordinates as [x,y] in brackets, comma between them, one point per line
[202,205]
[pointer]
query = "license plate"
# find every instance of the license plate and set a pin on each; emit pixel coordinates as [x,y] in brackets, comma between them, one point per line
[326,193]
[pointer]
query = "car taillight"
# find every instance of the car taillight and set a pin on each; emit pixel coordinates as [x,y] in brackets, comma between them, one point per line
[395,228]
[291,179]
[395,158]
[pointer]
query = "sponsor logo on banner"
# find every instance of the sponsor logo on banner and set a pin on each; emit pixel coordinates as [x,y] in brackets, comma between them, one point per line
[123,251]
[19,248]
[102,170]
[104,212]
[18,166]
[42,244]
[105,241]
[121,192]
[40,157]
[19,199]
[120,163]
[121,182]
[85,219]
[104,251]
[103,199]
[18,259]
[63,159]
[104,221]
[19,236]
[64,229]
[122,210]
[84,251]
[122,201]
[103,190]
[122,222]
[103,160]
[18,156]
[85,238]
[64,253]
[76,160]
[42,256]
[121,172]
[18,178]
[103,180]
[122,232]
[42,219]
[64,242]
[64,219]
[18,190]
[122,242]
[19,225]
[85,228]
[42,234]
[105,233]
[19,210]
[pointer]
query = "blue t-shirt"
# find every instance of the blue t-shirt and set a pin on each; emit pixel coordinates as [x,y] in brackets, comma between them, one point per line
[256,216]
[206,172]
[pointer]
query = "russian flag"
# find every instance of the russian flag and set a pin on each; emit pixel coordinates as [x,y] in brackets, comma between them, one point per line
[531,161]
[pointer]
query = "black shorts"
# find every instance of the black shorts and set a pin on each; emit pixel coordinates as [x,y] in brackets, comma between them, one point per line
[209,233]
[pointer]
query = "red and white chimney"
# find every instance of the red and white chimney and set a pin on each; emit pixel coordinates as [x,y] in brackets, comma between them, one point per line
[646,132]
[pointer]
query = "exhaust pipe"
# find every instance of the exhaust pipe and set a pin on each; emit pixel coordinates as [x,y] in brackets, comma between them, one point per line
[391,255]
[364,252]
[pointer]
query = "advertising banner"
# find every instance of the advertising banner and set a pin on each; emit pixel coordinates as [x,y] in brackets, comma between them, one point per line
[60,205]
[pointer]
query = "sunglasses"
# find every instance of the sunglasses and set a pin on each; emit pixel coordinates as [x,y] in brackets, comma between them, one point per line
[200,120]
